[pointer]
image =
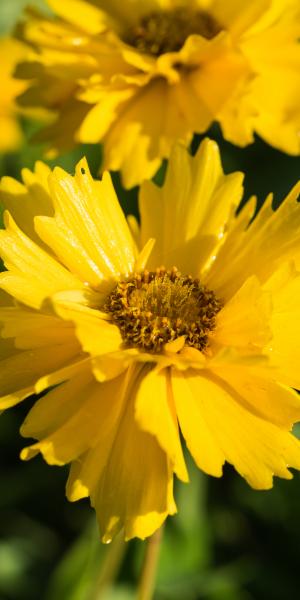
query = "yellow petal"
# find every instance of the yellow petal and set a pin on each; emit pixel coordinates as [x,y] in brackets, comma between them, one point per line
[272,235]
[11,135]
[284,348]
[87,473]
[126,473]
[135,491]
[25,201]
[34,330]
[275,51]
[200,441]
[155,413]
[20,371]
[32,273]
[108,366]
[197,216]
[141,136]
[131,11]
[57,407]
[260,394]
[244,321]
[80,363]
[255,447]
[220,70]
[96,335]
[88,221]
[66,435]
[238,16]
[82,14]
[102,115]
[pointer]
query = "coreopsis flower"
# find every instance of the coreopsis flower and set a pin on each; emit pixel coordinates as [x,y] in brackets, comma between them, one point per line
[188,322]
[137,76]
[11,52]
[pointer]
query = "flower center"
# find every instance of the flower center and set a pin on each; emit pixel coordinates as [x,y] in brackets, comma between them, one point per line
[161,32]
[153,308]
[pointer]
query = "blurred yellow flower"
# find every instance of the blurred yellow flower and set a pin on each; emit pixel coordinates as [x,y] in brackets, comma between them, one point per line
[11,52]
[137,76]
[131,351]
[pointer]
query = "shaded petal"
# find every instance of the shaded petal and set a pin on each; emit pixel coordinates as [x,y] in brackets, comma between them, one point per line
[7,348]
[5,299]
[62,132]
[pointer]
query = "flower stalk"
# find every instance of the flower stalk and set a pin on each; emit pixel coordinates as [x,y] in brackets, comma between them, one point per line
[110,568]
[149,569]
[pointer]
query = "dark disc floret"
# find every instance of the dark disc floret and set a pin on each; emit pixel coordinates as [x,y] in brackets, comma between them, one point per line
[153,308]
[166,31]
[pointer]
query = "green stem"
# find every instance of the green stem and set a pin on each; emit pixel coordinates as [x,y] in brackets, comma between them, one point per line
[149,568]
[110,568]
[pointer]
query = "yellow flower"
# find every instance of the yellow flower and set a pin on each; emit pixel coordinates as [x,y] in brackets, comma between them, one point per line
[139,75]
[131,351]
[11,52]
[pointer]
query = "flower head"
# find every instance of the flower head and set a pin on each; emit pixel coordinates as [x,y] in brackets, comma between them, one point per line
[11,52]
[135,341]
[137,76]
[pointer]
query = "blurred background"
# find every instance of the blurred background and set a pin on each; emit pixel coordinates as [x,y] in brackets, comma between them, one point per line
[228,542]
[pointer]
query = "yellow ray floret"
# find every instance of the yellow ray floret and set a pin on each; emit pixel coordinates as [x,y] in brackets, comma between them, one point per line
[11,52]
[138,76]
[197,334]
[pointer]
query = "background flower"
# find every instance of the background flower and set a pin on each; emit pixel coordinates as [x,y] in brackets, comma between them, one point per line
[11,52]
[137,76]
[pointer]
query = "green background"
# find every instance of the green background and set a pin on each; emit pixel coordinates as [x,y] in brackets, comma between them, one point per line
[228,542]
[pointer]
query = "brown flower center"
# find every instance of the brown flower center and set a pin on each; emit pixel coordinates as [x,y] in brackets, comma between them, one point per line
[153,308]
[166,31]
